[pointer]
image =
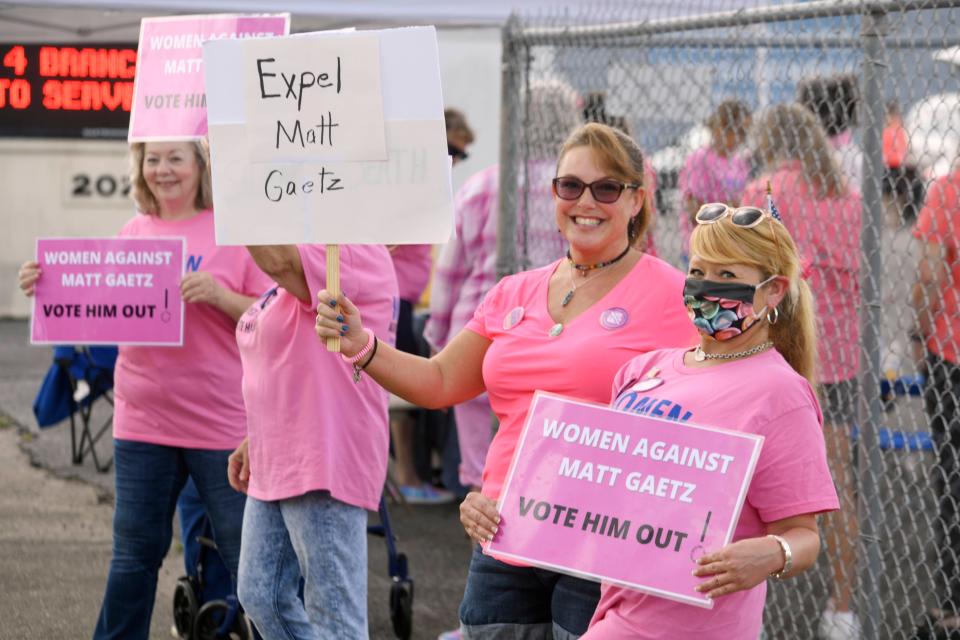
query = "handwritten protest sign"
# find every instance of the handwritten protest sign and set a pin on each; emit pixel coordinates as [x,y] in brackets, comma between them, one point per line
[108,291]
[318,98]
[620,497]
[169,101]
[352,150]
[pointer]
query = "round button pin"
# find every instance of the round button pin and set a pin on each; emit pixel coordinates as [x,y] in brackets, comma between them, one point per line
[513,318]
[614,318]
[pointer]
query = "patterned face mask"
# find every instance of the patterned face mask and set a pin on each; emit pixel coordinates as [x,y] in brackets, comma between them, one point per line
[721,310]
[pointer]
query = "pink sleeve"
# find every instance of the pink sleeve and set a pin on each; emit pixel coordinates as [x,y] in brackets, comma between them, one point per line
[792,477]
[313,260]
[255,281]
[488,309]
[412,264]
[472,207]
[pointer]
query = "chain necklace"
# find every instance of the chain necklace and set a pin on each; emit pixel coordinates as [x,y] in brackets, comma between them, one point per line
[557,328]
[700,355]
[573,288]
[583,269]
[599,265]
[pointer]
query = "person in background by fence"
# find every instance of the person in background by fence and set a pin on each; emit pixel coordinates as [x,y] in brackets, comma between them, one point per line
[823,214]
[717,172]
[752,371]
[412,263]
[834,100]
[179,411]
[565,328]
[936,298]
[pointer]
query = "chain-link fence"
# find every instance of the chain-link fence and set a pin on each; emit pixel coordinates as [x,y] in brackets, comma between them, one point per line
[852,111]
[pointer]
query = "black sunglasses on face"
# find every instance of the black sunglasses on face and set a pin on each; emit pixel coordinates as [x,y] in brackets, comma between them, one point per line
[606,191]
[456,152]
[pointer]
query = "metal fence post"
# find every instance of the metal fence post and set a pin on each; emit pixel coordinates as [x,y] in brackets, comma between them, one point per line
[509,148]
[870,508]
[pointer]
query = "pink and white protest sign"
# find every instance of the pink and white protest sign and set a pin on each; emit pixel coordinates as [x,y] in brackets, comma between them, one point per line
[624,498]
[109,291]
[169,101]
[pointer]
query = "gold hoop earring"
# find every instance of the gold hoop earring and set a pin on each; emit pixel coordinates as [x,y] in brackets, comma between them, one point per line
[775,313]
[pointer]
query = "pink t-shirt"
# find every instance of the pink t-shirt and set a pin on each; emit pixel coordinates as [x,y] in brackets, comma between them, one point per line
[827,234]
[762,395]
[310,426]
[188,396]
[412,262]
[707,176]
[644,311]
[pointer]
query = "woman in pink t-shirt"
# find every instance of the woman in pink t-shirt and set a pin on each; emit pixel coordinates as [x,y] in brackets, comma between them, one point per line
[823,214]
[752,372]
[315,458]
[178,410]
[718,171]
[566,328]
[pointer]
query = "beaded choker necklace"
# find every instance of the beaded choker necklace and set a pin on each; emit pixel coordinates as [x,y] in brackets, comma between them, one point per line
[599,265]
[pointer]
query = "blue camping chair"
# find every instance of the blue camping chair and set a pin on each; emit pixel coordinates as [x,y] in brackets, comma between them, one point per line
[78,377]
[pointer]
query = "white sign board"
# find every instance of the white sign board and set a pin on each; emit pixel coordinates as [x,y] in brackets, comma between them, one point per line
[329,138]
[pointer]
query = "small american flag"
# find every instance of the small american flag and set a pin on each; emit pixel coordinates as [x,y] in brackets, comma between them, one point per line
[772,208]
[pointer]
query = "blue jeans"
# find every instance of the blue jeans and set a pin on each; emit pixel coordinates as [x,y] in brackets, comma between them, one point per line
[315,537]
[148,480]
[194,522]
[504,601]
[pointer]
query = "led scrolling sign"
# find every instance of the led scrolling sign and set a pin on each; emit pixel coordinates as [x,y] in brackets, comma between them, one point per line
[66,91]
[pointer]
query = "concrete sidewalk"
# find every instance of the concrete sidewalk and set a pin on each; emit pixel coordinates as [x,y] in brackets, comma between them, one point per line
[55,529]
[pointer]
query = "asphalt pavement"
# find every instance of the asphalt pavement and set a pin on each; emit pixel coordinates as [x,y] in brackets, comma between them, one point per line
[55,529]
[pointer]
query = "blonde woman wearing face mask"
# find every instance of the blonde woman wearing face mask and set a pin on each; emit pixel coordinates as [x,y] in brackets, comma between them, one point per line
[752,371]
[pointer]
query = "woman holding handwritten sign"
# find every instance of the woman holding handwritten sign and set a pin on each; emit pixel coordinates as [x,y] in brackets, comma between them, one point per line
[752,372]
[315,457]
[179,411]
[565,328]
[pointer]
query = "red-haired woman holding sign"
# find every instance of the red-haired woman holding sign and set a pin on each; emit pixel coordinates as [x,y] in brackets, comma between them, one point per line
[566,328]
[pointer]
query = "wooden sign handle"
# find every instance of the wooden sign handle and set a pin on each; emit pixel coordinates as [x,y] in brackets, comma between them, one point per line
[333,286]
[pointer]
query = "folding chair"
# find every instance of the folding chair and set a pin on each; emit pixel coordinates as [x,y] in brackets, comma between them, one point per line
[78,378]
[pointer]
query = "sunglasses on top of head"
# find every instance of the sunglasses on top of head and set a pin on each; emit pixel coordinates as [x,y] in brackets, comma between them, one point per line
[457,152]
[606,191]
[746,217]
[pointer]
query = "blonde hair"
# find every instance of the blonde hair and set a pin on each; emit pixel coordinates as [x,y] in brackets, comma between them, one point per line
[617,154]
[144,198]
[791,132]
[769,248]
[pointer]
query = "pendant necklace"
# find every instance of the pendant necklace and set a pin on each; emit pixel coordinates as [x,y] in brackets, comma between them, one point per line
[584,269]
[557,329]
[700,355]
[573,288]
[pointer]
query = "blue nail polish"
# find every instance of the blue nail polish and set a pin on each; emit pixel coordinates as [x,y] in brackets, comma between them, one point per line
[345,328]
[339,318]
[343,333]
[333,303]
